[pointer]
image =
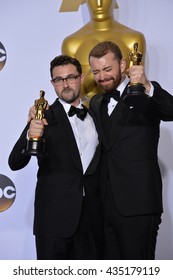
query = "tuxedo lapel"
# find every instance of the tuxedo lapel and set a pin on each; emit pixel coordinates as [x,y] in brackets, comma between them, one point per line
[97,112]
[94,162]
[118,118]
[69,139]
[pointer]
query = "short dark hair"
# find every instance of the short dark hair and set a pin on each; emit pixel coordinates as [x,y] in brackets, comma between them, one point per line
[104,48]
[64,60]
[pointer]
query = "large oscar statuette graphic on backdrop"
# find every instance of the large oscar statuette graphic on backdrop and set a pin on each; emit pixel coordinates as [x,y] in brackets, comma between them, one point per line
[136,95]
[36,145]
[102,25]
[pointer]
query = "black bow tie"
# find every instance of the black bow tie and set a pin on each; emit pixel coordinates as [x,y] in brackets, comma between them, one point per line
[115,95]
[81,113]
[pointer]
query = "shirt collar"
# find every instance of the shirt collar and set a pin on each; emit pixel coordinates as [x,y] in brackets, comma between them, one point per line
[67,105]
[122,86]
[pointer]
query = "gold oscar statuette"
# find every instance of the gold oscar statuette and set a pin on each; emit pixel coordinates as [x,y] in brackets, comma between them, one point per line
[136,95]
[36,146]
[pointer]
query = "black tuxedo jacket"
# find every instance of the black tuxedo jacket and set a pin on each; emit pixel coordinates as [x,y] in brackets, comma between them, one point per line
[129,155]
[59,189]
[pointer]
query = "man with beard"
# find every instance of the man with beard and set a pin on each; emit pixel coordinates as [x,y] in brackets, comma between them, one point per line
[130,177]
[67,208]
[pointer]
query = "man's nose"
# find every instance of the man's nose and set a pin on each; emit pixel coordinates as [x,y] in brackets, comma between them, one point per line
[65,83]
[102,75]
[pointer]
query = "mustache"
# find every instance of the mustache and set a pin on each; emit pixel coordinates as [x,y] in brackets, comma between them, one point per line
[66,90]
[105,80]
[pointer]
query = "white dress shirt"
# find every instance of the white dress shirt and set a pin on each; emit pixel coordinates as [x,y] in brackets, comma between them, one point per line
[85,134]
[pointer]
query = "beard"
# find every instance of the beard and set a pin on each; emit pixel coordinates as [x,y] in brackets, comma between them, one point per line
[69,95]
[109,88]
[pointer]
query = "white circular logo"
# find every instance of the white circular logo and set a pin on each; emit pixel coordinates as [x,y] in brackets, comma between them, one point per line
[7,193]
[3,56]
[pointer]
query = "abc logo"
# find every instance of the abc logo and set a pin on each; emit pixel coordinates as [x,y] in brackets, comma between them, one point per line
[7,193]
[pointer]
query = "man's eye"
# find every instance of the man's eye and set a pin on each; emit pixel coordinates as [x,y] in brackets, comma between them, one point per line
[71,77]
[108,69]
[56,80]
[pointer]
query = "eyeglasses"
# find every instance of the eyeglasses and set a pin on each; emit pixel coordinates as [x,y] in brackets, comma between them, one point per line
[71,79]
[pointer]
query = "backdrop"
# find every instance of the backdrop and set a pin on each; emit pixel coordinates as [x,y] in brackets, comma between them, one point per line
[31,34]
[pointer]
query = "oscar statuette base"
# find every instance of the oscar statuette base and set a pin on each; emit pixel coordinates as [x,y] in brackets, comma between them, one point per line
[35,147]
[136,95]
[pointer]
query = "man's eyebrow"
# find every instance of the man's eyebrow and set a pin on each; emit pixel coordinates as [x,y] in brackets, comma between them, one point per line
[105,68]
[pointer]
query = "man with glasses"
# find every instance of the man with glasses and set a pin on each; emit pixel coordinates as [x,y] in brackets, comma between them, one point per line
[67,210]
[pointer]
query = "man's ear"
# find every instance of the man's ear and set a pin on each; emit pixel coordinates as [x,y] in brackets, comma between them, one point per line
[52,82]
[123,65]
[82,78]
